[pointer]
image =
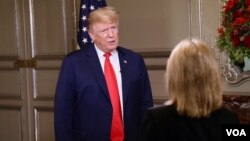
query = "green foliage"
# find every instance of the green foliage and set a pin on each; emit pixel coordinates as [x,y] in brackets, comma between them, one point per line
[234,32]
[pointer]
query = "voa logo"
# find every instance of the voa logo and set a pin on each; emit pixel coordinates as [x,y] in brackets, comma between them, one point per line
[236,132]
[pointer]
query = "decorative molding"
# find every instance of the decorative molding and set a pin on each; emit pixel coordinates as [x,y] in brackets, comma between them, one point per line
[8,58]
[8,97]
[156,67]
[10,107]
[233,74]
[155,54]
[228,93]
[240,105]
[49,57]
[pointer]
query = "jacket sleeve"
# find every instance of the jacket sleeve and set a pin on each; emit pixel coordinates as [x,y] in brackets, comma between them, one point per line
[63,103]
[147,100]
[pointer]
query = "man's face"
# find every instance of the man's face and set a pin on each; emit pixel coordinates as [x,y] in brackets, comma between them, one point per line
[105,35]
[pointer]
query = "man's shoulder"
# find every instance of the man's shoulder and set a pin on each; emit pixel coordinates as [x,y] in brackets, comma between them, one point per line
[77,53]
[128,52]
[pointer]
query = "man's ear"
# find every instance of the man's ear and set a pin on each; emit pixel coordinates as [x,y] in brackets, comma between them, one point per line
[92,36]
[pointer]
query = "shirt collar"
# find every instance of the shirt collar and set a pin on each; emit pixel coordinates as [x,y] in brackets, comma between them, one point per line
[100,53]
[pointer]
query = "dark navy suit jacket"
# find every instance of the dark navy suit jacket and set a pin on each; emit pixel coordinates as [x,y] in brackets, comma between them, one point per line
[83,110]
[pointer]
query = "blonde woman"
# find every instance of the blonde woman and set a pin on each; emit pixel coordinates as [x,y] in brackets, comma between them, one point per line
[195,88]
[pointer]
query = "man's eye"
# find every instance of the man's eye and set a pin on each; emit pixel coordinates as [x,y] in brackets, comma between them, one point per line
[103,30]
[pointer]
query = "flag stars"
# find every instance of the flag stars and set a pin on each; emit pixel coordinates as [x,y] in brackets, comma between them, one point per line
[84,29]
[84,18]
[92,8]
[84,6]
[85,40]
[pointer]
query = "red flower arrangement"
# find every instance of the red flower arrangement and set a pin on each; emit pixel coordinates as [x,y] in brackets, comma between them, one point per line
[234,32]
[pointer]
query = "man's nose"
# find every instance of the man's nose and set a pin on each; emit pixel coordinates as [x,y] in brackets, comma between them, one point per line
[110,33]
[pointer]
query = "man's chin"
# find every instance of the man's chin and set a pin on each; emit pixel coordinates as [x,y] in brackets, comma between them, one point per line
[112,47]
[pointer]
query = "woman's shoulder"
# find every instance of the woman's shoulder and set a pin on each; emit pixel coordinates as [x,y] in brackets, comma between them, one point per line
[163,111]
[227,116]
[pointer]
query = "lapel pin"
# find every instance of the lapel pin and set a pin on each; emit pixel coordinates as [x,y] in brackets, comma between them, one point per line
[125,61]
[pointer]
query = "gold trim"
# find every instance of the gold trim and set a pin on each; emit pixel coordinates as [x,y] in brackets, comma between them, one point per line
[25,63]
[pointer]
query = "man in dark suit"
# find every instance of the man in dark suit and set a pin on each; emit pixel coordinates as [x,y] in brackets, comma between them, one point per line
[83,107]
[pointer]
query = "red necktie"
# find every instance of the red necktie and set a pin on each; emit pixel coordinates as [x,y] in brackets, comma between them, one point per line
[117,133]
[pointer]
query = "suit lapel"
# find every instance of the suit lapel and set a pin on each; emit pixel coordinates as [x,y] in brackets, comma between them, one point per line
[124,74]
[96,68]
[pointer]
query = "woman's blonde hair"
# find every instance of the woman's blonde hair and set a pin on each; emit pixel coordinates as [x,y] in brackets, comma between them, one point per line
[193,79]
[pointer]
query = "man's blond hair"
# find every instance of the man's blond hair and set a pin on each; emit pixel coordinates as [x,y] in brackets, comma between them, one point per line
[105,14]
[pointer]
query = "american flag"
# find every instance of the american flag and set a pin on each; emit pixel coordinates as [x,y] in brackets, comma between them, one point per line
[87,6]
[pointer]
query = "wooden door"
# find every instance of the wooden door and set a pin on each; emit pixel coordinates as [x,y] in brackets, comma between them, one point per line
[35,35]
